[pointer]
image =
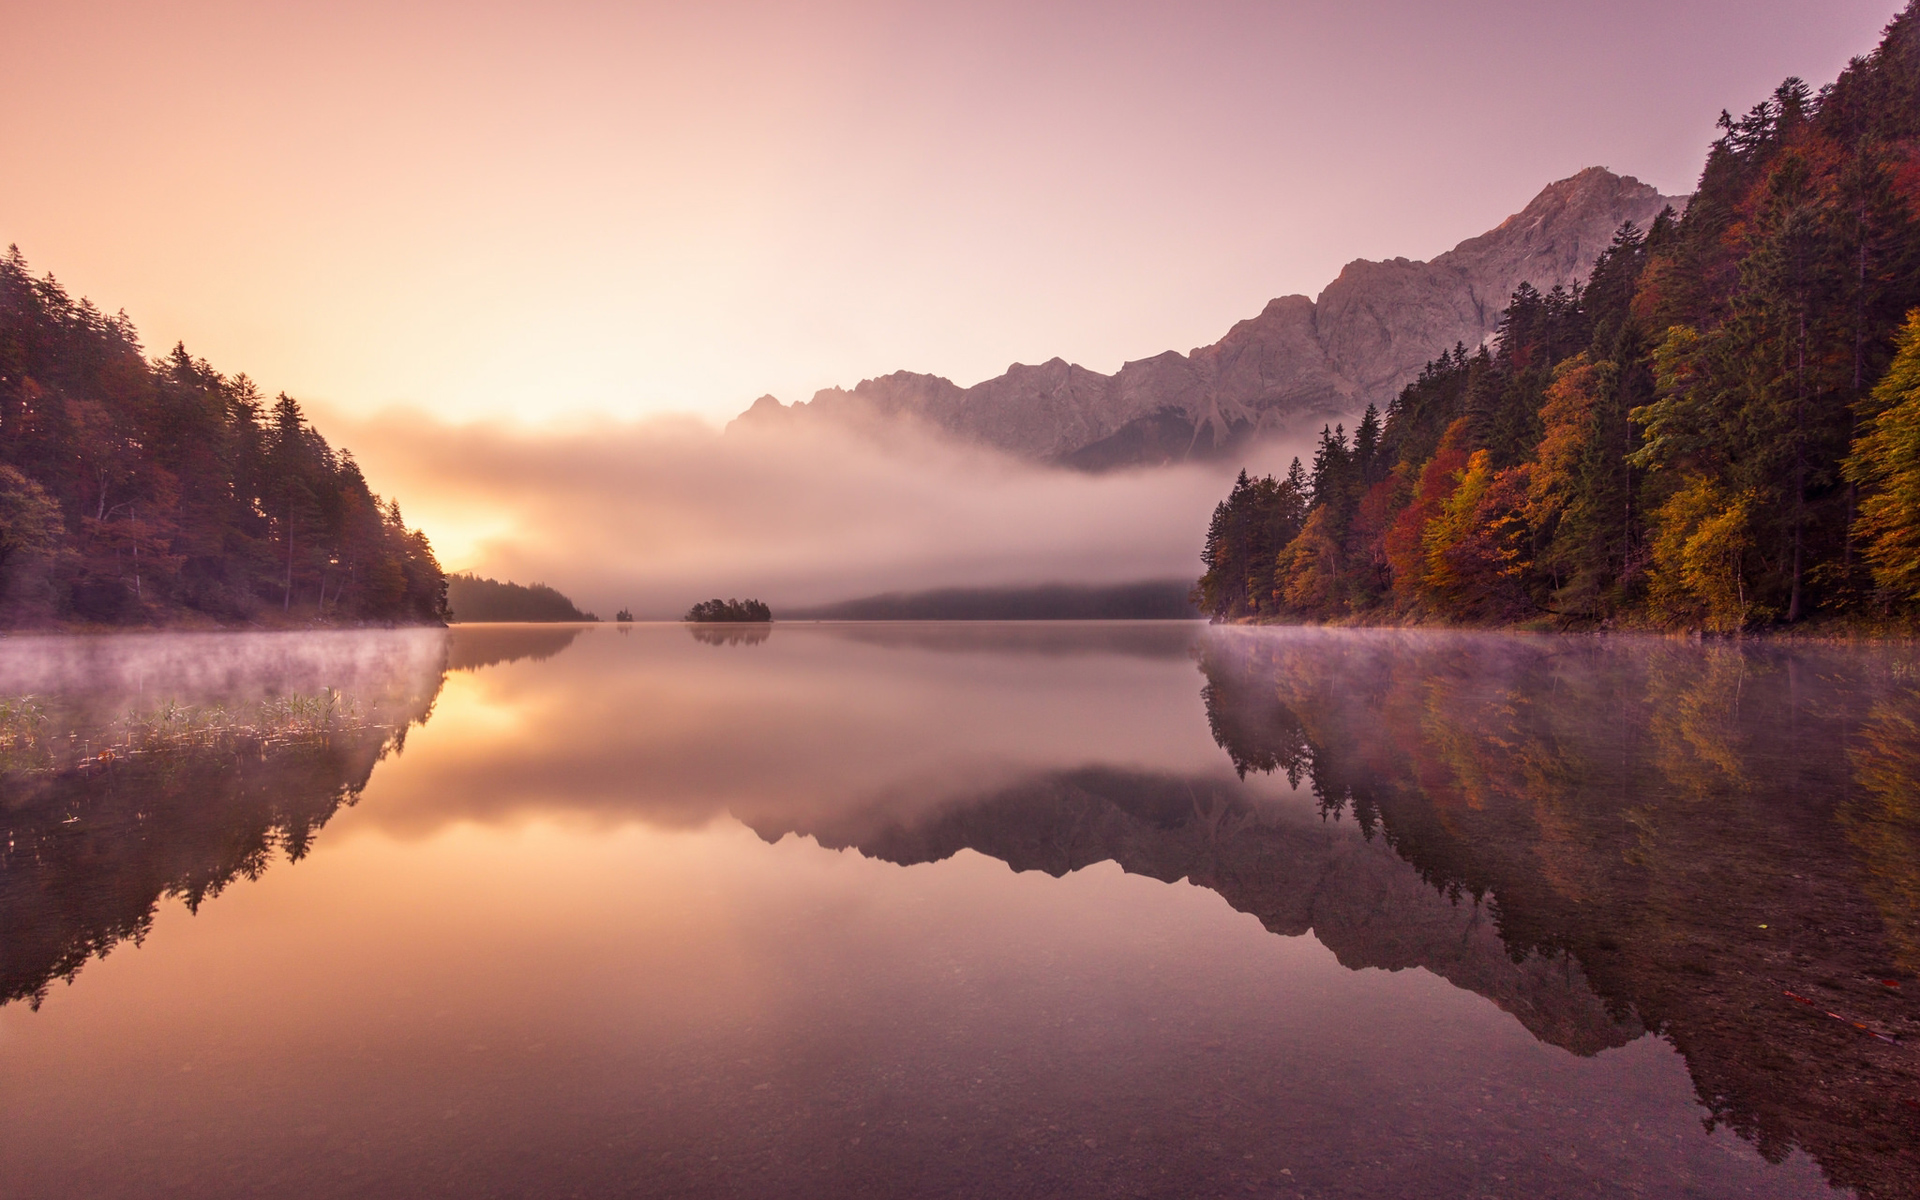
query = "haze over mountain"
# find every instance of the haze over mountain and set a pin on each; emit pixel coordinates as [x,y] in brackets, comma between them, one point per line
[1299,364]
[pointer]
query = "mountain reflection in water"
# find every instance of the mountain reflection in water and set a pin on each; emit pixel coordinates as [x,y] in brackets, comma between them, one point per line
[1708,832]
[1600,837]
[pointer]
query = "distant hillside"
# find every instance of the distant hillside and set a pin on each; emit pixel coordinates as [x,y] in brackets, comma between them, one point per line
[1159,599]
[1300,363]
[137,491]
[473,598]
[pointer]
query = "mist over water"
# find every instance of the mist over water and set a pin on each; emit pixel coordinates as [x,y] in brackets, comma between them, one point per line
[995,909]
[95,679]
[654,515]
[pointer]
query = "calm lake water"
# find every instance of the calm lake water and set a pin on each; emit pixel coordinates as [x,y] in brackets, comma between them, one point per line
[963,910]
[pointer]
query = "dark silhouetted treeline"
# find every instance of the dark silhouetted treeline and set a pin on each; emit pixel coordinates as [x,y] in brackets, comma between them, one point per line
[1720,429]
[138,491]
[729,610]
[473,598]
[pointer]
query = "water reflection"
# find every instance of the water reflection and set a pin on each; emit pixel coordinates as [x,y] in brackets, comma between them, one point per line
[1722,838]
[729,635]
[1297,877]
[1604,838]
[471,648]
[92,848]
[1718,844]
[134,769]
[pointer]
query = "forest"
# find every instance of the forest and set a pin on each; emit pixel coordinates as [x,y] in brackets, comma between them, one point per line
[1718,430]
[137,491]
[473,597]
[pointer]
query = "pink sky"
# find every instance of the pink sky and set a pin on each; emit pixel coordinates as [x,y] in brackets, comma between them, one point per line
[553,210]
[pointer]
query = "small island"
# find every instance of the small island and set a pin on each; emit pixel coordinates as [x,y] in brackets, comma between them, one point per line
[738,612]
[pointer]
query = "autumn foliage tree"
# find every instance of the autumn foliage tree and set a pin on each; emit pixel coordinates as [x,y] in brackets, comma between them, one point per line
[1886,462]
[1716,429]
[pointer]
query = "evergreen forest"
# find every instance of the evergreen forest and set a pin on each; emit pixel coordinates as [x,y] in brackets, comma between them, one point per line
[1719,429]
[476,598]
[138,491]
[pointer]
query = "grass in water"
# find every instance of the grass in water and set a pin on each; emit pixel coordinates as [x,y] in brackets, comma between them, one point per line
[27,745]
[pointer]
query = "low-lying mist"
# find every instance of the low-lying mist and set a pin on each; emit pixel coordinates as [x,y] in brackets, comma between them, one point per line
[656,514]
[391,674]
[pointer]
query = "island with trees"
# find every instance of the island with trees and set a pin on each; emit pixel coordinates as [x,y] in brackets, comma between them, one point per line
[1719,430]
[717,611]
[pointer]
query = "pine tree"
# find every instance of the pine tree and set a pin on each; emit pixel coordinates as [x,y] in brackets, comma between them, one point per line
[177,490]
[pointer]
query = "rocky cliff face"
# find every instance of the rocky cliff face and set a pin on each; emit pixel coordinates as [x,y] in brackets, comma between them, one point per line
[1299,364]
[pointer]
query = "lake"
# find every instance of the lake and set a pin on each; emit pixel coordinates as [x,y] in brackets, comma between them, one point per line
[990,910]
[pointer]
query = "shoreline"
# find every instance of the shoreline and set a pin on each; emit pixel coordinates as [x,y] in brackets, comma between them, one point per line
[95,629]
[1822,633]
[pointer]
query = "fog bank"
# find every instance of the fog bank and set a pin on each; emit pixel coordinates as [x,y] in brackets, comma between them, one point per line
[654,515]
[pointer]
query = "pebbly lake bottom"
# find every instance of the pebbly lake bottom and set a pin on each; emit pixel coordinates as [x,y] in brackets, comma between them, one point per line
[893,911]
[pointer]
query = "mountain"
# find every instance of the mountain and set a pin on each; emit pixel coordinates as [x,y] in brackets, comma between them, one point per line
[1716,432]
[1301,363]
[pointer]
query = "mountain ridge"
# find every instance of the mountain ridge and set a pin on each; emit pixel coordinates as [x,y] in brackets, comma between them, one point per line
[1300,362]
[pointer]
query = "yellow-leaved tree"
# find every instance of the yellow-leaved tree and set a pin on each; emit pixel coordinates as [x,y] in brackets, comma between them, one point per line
[1700,541]
[1886,464]
[1309,569]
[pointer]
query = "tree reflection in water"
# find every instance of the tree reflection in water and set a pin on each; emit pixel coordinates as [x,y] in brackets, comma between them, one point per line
[730,635]
[1603,837]
[91,848]
[475,648]
[1719,844]
[109,805]
[1702,829]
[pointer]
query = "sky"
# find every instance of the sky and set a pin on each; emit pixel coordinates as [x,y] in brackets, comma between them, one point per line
[526,259]
[558,212]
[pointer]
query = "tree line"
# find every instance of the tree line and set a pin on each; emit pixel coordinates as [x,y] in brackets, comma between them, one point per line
[1720,428]
[138,491]
[476,598]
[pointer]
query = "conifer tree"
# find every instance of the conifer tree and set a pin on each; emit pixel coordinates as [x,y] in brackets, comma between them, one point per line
[177,489]
[1710,429]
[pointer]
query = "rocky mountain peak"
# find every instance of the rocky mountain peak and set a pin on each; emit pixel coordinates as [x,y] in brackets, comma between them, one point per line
[1298,364]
